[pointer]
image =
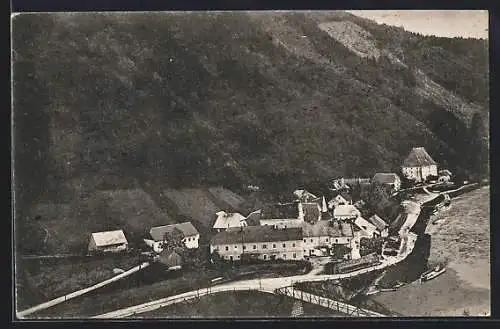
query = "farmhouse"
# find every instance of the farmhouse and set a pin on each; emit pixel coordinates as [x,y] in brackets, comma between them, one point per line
[343,212]
[110,241]
[258,242]
[227,220]
[191,235]
[321,236]
[282,215]
[365,228]
[381,225]
[387,179]
[419,165]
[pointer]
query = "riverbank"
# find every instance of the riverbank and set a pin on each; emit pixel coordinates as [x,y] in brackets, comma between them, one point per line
[461,241]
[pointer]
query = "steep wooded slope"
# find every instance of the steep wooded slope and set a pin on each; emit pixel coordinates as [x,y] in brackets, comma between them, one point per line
[189,99]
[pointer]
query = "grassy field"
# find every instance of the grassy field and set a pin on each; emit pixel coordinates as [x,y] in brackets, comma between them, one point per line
[55,279]
[66,228]
[237,304]
[175,283]
[232,199]
[194,203]
[462,242]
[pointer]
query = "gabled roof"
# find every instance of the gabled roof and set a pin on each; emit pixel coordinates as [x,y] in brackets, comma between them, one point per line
[157,233]
[252,234]
[227,220]
[312,211]
[418,157]
[378,222]
[363,224]
[345,210]
[323,228]
[280,211]
[253,218]
[304,195]
[385,178]
[103,239]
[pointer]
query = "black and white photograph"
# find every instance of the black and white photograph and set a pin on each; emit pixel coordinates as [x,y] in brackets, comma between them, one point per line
[250,164]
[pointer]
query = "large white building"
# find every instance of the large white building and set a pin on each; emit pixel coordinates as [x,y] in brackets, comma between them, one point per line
[345,212]
[387,179]
[323,235]
[227,220]
[258,242]
[190,233]
[419,165]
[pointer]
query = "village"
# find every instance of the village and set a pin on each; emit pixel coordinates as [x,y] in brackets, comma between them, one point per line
[309,226]
[337,233]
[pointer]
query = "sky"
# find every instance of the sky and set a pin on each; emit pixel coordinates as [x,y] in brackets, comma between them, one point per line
[441,23]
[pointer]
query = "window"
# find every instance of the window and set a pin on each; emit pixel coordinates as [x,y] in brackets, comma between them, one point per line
[235,247]
[305,240]
[284,256]
[264,246]
[227,248]
[274,245]
[254,247]
[327,239]
[284,245]
[311,240]
[293,244]
[336,240]
[237,257]
[265,256]
[294,255]
[231,257]
[244,247]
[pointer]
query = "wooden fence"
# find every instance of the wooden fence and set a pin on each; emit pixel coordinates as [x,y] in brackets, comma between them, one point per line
[340,307]
[80,292]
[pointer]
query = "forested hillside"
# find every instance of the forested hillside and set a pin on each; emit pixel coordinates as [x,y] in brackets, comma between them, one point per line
[200,99]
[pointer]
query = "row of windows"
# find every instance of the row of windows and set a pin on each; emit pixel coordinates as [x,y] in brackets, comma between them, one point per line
[190,239]
[264,246]
[327,240]
[264,256]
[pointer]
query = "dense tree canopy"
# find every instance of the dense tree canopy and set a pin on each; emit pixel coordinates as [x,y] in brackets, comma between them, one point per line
[216,98]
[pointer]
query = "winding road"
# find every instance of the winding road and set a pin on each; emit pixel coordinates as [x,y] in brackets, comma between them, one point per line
[268,285]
